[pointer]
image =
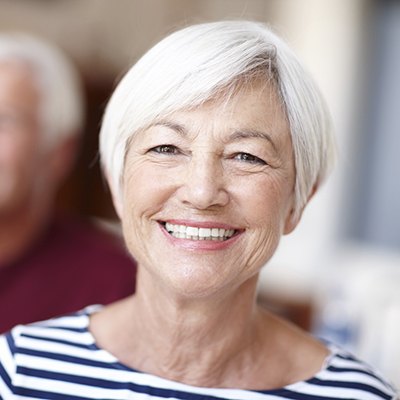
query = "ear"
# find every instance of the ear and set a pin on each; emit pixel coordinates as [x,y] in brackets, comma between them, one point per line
[293,218]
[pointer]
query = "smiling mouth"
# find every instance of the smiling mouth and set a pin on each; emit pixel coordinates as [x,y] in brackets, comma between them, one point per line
[195,233]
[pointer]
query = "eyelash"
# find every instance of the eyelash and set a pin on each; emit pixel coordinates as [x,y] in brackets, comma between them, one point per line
[246,157]
[165,149]
[168,149]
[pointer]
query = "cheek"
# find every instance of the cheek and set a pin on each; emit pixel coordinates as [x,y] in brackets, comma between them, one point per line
[18,151]
[145,193]
[10,150]
[147,185]
[266,202]
[16,167]
[266,209]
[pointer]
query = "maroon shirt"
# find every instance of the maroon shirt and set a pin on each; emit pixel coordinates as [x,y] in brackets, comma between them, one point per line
[73,265]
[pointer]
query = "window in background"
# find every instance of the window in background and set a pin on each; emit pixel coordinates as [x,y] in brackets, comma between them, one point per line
[375,207]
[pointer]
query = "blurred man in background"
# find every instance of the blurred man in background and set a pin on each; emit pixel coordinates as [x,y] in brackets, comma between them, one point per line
[49,265]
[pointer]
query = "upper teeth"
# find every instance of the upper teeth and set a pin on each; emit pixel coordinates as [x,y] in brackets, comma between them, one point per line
[194,233]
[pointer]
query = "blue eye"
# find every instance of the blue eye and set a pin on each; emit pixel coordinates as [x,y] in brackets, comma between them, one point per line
[165,149]
[246,157]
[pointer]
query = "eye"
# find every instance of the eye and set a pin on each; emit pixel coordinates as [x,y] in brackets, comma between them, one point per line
[165,149]
[246,157]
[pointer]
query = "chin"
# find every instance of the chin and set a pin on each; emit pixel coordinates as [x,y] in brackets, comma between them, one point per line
[198,282]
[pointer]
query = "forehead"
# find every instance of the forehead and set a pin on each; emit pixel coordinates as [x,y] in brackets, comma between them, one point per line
[255,106]
[17,85]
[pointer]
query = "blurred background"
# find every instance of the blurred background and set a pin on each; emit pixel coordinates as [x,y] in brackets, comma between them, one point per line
[338,274]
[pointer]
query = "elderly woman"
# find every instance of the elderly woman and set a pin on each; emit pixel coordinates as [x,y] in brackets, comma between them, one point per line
[212,144]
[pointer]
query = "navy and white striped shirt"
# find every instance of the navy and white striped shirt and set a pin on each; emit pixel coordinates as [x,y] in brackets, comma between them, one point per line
[59,359]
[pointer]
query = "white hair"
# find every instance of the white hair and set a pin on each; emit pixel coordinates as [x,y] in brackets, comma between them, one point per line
[198,63]
[57,80]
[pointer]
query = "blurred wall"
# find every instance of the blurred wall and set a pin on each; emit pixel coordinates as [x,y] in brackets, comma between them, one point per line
[105,37]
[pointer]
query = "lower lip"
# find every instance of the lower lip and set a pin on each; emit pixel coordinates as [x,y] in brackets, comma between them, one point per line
[200,245]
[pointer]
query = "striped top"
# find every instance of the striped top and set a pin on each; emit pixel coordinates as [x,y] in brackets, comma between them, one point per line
[59,359]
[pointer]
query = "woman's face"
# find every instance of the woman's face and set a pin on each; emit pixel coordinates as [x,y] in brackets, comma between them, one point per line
[209,192]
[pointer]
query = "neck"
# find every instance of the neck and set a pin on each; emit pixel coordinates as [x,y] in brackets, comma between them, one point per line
[192,341]
[19,230]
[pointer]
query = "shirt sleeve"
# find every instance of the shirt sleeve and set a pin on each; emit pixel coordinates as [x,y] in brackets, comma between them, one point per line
[7,366]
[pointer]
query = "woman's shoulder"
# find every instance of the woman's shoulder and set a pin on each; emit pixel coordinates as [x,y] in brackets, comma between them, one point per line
[37,338]
[320,369]
[345,376]
[43,356]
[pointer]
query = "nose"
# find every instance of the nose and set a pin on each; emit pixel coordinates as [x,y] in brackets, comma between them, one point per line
[204,183]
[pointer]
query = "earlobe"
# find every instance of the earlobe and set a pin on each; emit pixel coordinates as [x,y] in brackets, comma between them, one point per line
[294,216]
[292,221]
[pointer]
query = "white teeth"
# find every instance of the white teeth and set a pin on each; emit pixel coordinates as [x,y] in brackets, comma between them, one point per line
[194,233]
[204,232]
[190,231]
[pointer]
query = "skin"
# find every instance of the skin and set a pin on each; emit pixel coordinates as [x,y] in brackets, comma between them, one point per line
[30,172]
[222,164]
[19,136]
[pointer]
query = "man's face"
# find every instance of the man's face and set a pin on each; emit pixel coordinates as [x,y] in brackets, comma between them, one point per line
[21,161]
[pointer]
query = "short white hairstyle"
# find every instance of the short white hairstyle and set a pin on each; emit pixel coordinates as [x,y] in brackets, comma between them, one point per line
[62,105]
[202,62]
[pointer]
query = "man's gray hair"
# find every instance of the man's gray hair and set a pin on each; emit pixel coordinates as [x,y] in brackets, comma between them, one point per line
[62,107]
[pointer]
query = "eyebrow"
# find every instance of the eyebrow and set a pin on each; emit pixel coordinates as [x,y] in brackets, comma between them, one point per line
[236,135]
[171,125]
[252,133]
